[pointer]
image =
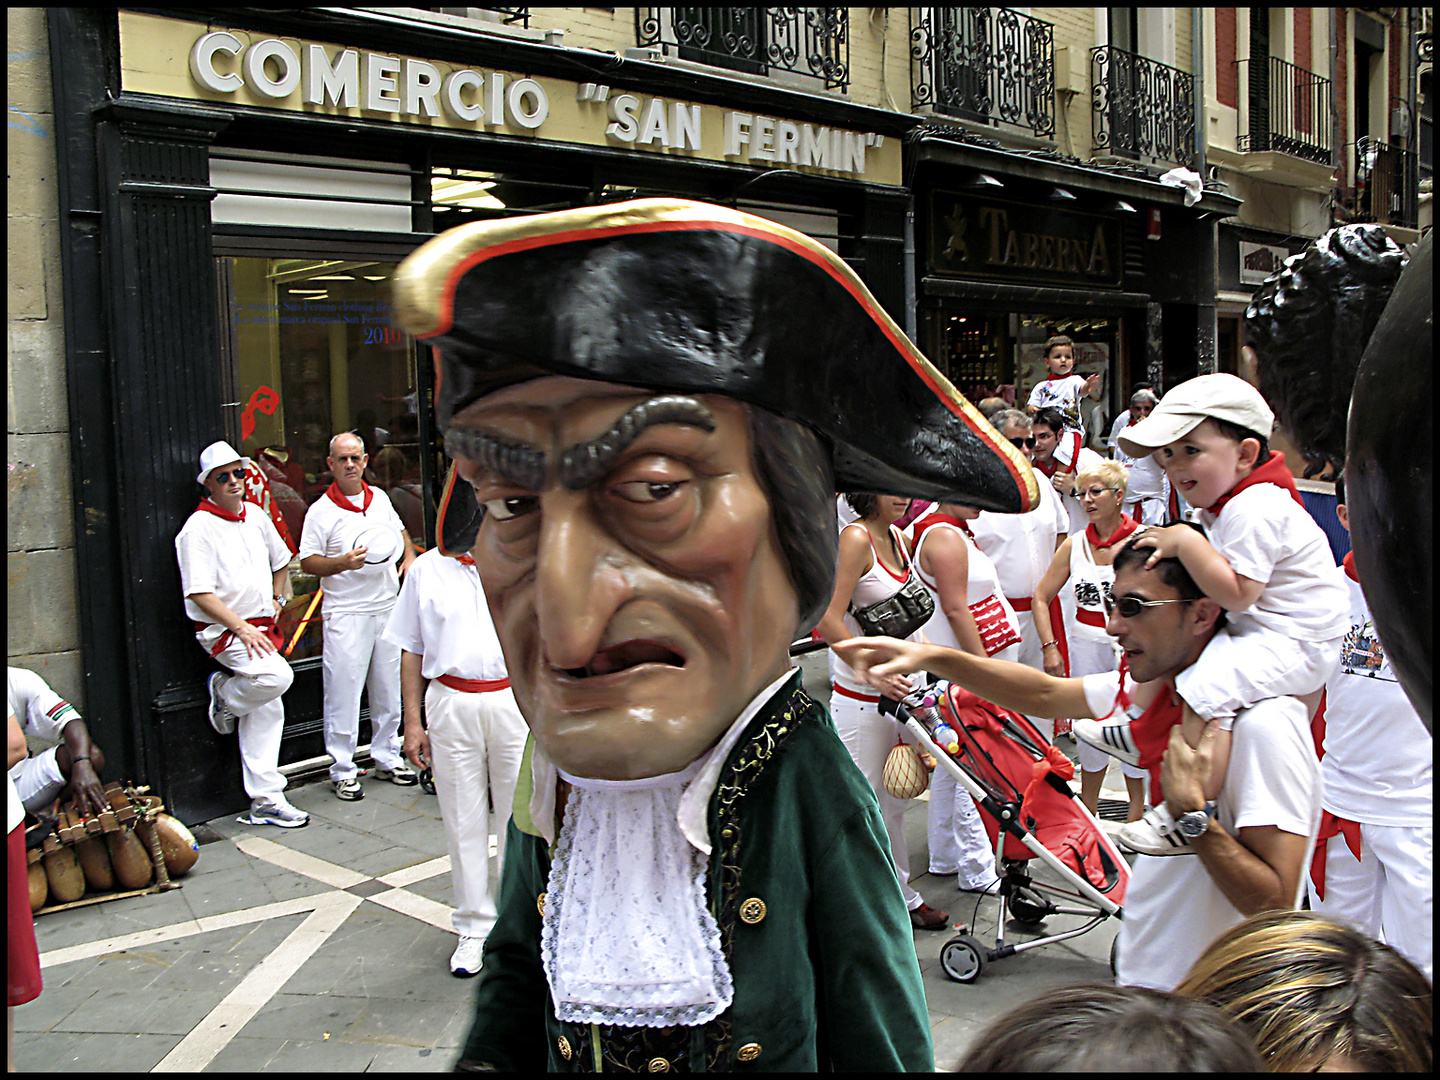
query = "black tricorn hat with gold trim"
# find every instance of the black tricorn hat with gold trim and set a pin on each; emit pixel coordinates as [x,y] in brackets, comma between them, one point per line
[694,298]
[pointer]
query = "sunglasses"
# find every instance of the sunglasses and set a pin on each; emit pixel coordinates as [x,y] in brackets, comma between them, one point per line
[1030,443]
[1131,606]
[224,477]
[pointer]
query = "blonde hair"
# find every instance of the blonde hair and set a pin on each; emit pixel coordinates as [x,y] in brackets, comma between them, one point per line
[1110,473]
[1308,988]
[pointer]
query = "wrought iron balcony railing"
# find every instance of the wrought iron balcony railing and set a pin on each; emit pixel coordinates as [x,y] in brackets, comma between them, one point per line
[990,65]
[812,42]
[1141,108]
[1291,110]
[1387,184]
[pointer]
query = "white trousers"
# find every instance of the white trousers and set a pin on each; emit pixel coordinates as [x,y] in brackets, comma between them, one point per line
[476,743]
[356,657]
[869,736]
[959,843]
[254,696]
[1245,663]
[1387,893]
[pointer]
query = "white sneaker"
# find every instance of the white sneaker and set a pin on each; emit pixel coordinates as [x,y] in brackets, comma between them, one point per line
[221,718]
[465,960]
[1154,834]
[1112,736]
[275,812]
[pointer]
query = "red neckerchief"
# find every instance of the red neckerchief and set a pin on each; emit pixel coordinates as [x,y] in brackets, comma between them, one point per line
[466,560]
[1150,731]
[340,499]
[1048,468]
[220,512]
[1272,472]
[1052,378]
[1349,564]
[1127,526]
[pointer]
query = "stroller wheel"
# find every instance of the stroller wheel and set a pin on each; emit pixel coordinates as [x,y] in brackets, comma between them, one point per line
[427,781]
[1115,955]
[1028,907]
[963,958]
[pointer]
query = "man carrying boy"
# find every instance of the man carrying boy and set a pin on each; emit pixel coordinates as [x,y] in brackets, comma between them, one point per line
[1252,838]
[1266,563]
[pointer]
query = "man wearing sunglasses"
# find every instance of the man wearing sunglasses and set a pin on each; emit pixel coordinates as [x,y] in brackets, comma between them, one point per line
[1253,841]
[234,573]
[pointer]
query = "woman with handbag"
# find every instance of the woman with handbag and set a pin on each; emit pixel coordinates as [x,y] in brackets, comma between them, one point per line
[877,592]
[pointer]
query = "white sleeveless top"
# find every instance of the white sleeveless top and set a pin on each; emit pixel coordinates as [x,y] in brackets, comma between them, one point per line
[994,617]
[1089,583]
[876,584]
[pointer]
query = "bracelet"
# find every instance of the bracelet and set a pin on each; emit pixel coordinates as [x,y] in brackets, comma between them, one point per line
[1047,644]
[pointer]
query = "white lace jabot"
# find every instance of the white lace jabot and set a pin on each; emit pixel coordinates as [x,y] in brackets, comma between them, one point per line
[627,937]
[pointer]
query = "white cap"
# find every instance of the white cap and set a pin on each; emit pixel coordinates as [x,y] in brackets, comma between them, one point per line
[215,455]
[1208,397]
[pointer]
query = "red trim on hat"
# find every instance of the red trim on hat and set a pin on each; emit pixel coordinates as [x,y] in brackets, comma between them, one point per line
[446,313]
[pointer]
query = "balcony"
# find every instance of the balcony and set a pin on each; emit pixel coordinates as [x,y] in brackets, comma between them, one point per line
[1140,108]
[813,43]
[990,65]
[1292,110]
[1386,185]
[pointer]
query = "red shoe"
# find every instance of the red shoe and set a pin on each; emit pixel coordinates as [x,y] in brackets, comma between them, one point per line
[926,917]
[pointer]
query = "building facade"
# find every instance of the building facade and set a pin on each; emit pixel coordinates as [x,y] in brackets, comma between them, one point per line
[207,205]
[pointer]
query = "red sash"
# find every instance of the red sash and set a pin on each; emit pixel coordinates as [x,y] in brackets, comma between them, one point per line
[1330,826]
[1090,618]
[262,622]
[843,692]
[472,686]
[1272,472]
[996,630]
[340,499]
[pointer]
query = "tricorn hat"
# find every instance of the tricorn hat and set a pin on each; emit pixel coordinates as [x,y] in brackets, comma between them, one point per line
[693,298]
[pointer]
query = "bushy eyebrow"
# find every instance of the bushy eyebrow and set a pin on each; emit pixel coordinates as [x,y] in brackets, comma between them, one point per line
[512,461]
[586,462]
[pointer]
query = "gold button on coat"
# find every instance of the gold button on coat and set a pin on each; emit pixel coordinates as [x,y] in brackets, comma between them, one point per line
[540,904]
[564,1045]
[658,1064]
[749,1052]
[752,910]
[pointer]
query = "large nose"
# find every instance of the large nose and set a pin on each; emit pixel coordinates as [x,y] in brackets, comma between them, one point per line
[581,579]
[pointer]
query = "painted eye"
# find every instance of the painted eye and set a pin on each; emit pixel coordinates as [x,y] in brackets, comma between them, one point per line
[510,507]
[647,491]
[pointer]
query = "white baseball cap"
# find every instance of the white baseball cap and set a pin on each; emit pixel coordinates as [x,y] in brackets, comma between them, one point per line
[1208,397]
[215,455]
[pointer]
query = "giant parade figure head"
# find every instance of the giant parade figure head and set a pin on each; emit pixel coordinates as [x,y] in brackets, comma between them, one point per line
[651,406]
[1342,338]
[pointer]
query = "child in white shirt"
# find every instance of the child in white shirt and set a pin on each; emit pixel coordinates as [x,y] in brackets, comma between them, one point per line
[1062,389]
[1266,562]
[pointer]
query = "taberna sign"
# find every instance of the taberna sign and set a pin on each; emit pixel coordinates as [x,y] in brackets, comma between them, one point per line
[328,79]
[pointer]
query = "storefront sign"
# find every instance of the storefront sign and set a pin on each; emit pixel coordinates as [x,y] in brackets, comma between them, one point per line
[1259,261]
[1022,243]
[182,59]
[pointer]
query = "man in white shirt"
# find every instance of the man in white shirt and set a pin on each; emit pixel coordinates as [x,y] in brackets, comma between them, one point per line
[1374,860]
[473,736]
[1060,456]
[235,575]
[1252,842]
[353,539]
[76,763]
[1022,545]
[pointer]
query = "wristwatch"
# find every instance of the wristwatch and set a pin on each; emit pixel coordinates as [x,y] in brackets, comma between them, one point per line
[1195,822]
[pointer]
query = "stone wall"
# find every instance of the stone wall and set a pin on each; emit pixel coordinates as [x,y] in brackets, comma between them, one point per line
[42,629]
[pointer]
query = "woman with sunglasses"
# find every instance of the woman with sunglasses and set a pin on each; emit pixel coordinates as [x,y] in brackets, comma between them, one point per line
[1084,558]
[874,563]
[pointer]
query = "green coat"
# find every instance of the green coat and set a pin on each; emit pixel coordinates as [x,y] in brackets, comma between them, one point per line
[811,919]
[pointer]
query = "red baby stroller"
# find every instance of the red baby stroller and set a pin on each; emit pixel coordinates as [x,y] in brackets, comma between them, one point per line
[1019,782]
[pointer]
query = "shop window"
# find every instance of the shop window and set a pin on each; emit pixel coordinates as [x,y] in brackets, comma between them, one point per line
[310,351]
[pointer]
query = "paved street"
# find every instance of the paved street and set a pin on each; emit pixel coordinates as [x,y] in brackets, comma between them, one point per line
[326,948]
